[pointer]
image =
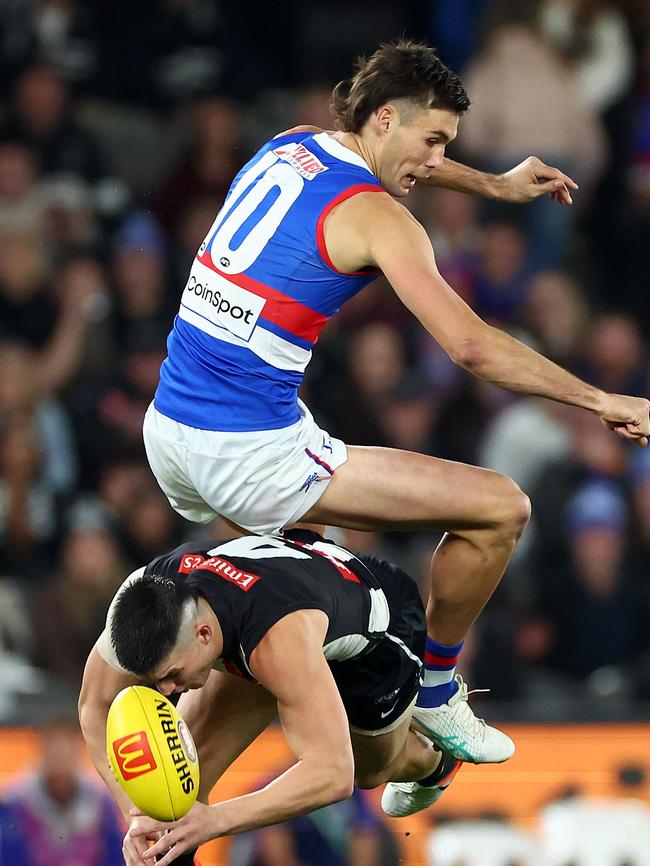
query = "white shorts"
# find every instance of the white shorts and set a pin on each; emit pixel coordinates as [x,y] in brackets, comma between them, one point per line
[262,481]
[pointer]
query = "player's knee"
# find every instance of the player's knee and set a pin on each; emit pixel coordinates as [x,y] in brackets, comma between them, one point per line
[513,509]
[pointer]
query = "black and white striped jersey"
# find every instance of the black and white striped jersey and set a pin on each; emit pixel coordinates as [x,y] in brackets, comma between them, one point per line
[253,582]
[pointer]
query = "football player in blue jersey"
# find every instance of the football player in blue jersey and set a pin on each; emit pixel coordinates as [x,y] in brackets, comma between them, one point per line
[308,222]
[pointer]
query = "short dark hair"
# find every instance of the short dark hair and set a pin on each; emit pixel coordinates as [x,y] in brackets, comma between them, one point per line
[397,70]
[146,621]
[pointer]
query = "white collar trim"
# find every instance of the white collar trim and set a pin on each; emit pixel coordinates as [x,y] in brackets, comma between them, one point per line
[340,151]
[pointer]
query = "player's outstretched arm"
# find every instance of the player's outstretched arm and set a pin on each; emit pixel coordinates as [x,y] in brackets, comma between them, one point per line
[101,683]
[289,662]
[525,182]
[390,238]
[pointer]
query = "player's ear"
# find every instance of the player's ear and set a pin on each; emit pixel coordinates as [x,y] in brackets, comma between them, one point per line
[204,632]
[385,117]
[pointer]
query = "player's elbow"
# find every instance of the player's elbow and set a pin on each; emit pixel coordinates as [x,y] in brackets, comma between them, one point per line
[92,715]
[470,353]
[82,707]
[86,715]
[339,784]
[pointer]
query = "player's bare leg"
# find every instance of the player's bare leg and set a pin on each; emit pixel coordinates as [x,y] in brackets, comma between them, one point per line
[401,755]
[418,772]
[483,514]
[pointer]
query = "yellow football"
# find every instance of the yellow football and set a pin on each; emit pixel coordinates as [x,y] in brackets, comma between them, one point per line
[152,753]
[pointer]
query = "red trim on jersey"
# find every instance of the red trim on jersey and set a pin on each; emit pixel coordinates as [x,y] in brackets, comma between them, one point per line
[234,670]
[341,567]
[320,235]
[295,317]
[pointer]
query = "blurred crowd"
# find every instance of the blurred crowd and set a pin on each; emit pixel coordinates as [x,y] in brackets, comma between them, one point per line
[121,127]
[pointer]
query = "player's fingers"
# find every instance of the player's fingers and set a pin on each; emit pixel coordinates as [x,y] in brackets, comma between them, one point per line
[555,188]
[632,435]
[133,851]
[548,172]
[164,848]
[564,196]
[143,826]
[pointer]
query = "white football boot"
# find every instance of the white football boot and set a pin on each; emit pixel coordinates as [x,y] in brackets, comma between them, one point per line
[404,798]
[455,729]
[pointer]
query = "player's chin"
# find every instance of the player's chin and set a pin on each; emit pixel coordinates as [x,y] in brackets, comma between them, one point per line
[400,191]
[406,184]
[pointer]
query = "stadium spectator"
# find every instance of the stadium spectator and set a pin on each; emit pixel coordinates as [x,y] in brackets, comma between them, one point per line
[593,36]
[451,221]
[592,455]
[27,311]
[408,415]
[348,833]
[191,47]
[638,479]
[90,568]
[41,117]
[122,403]
[525,100]
[22,202]
[375,361]
[139,271]
[66,36]
[206,168]
[24,395]
[524,438]
[614,354]
[57,815]
[501,269]
[29,518]
[455,27]
[120,482]
[555,315]
[149,525]
[192,226]
[81,350]
[595,610]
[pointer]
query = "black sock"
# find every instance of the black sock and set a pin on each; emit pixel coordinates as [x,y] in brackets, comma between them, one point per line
[446,765]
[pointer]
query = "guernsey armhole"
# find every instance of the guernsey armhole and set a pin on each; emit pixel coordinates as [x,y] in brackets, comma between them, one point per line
[320,225]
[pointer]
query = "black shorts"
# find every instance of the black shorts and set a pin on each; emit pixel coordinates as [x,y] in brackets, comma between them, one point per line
[379,686]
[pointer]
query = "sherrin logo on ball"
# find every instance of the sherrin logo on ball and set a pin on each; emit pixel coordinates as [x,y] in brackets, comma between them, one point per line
[152,753]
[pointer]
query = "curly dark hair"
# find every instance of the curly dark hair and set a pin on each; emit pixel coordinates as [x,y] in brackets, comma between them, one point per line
[397,70]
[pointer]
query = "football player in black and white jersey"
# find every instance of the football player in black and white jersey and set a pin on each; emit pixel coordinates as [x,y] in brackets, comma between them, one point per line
[263,626]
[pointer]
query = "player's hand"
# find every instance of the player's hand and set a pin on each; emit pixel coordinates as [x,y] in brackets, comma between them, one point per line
[134,847]
[531,179]
[627,416]
[175,837]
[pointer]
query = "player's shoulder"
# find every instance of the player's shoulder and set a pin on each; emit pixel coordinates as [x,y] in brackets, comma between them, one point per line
[373,211]
[295,130]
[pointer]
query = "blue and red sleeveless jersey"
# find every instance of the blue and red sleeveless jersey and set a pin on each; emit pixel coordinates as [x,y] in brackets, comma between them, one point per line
[261,288]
